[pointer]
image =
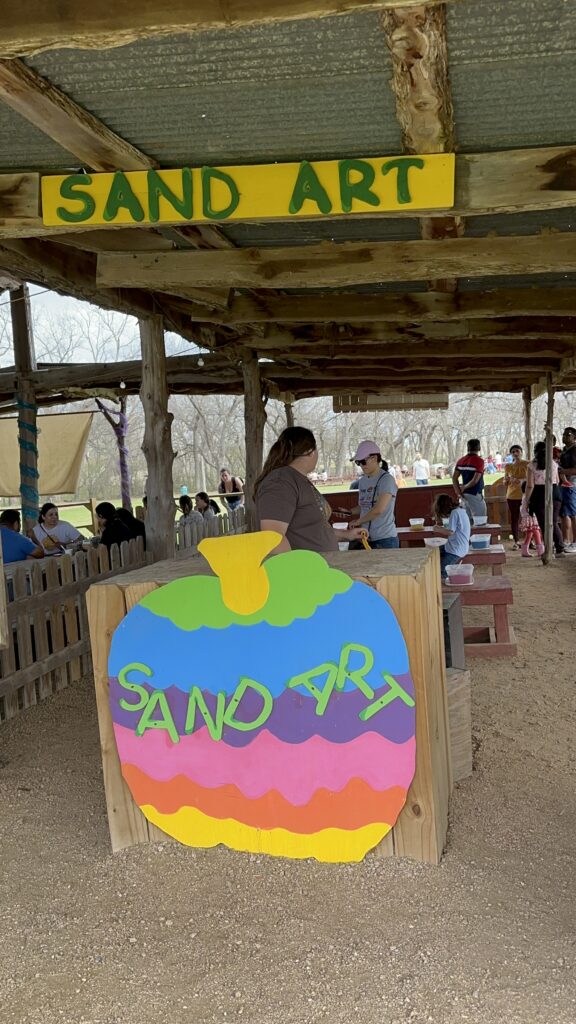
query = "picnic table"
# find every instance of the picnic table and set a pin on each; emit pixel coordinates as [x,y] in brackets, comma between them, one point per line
[493,556]
[487,641]
[411,537]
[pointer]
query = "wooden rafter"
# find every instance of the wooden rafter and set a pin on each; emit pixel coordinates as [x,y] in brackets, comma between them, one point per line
[416,39]
[48,24]
[402,307]
[82,134]
[339,266]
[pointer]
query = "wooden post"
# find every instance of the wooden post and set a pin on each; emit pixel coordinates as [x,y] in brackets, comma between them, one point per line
[3,608]
[254,422]
[157,444]
[527,405]
[548,492]
[25,363]
[289,410]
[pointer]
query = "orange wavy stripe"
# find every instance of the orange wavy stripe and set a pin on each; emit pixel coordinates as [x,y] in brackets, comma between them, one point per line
[353,807]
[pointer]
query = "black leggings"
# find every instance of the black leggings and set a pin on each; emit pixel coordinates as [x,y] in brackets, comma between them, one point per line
[537,507]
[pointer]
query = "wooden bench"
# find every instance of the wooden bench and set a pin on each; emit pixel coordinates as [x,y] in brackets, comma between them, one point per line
[494,557]
[496,641]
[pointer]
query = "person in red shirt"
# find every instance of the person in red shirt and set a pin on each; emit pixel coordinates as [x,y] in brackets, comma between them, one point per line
[468,479]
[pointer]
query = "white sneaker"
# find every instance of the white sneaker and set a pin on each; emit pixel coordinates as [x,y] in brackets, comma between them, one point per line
[570,549]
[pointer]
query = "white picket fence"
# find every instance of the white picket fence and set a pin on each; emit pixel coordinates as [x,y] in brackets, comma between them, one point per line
[190,535]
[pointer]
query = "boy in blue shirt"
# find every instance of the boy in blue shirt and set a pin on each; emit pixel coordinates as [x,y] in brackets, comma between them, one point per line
[16,547]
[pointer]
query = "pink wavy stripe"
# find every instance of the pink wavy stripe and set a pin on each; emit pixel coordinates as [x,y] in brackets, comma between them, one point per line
[296,770]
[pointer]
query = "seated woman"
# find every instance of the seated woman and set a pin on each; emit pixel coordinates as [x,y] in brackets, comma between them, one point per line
[53,533]
[286,500]
[134,526]
[206,506]
[112,529]
[189,513]
[457,531]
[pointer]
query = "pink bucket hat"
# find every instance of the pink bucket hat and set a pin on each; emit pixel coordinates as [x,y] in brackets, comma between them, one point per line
[366,448]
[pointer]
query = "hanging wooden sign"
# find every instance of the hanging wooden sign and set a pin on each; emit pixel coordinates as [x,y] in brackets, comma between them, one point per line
[251,193]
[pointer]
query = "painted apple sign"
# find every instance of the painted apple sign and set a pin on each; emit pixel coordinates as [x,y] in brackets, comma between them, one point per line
[269,707]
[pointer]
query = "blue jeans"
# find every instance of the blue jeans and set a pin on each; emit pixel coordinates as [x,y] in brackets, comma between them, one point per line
[446,558]
[385,542]
[421,483]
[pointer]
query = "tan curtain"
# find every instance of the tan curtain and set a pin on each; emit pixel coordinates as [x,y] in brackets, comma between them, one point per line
[61,442]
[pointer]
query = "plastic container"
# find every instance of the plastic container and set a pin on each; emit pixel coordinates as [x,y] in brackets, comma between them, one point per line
[446,522]
[435,542]
[460,575]
[480,520]
[480,541]
[340,526]
[416,524]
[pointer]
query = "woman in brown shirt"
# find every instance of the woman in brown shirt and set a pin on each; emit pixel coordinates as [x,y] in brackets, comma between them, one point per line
[286,500]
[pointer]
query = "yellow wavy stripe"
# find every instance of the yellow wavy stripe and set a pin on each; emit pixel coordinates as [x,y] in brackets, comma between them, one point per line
[332,845]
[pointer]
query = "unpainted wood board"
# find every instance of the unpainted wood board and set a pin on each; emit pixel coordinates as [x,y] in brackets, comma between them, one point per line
[342,265]
[45,24]
[70,614]
[128,826]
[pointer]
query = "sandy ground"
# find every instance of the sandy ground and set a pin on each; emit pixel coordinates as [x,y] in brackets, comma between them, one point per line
[168,934]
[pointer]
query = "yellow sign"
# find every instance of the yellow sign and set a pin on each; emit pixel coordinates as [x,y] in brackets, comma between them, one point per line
[251,193]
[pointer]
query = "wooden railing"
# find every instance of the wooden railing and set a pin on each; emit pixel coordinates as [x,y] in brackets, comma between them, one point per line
[48,639]
[190,535]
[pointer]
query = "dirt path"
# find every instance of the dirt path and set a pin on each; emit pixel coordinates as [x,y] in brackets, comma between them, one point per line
[167,934]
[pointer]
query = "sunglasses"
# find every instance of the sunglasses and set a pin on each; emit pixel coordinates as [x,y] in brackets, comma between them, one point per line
[362,462]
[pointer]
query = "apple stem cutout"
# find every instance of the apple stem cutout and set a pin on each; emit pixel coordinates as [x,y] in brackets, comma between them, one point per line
[244,583]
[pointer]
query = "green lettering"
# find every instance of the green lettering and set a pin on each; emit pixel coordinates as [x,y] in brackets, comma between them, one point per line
[69,190]
[239,692]
[359,189]
[120,197]
[355,675]
[394,693]
[214,725]
[208,175]
[309,187]
[134,666]
[320,696]
[402,164]
[157,187]
[158,699]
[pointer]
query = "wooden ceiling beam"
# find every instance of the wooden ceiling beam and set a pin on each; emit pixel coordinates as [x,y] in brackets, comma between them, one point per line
[403,307]
[49,24]
[340,266]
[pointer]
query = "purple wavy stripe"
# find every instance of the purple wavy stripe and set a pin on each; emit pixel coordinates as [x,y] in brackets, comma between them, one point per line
[293,717]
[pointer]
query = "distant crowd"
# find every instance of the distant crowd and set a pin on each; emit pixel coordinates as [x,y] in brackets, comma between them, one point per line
[53,536]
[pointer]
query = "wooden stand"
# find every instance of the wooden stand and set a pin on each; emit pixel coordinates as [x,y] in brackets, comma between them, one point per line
[410,582]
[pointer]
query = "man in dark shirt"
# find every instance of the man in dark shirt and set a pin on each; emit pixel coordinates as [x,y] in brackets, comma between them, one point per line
[468,479]
[568,476]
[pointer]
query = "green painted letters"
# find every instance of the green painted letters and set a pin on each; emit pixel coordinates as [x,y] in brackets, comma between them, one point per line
[245,684]
[214,725]
[359,189]
[210,174]
[120,197]
[157,187]
[308,186]
[158,699]
[320,696]
[402,164]
[134,666]
[68,191]
[394,693]
[355,675]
